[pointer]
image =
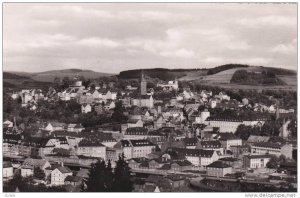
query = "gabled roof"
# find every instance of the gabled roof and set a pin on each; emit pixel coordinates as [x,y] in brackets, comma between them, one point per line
[227,136]
[133,121]
[258,138]
[136,131]
[144,164]
[218,164]
[195,152]
[257,156]
[7,164]
[73,178]
[35,162]
[190,141]
[165,167]
[228,159]
[138,143]
[183,163]
[268,145]
[90,143]
[57,124]
[210,144]
[64,169]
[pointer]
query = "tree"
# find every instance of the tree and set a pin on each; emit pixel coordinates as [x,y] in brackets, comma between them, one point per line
[66,82]
[272,163]
[108,176]
[38,173]
[122,176]
[86,83]
[95,182]
[293,128]
[118,115]
[244,131]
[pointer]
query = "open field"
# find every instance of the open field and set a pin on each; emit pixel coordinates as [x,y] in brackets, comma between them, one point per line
[222,79]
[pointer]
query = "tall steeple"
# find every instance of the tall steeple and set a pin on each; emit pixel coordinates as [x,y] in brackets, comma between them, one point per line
[277,110]
[143,84]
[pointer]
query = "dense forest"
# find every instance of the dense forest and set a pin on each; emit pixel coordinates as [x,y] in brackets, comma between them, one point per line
[255,78]
[160,73]
[223,68]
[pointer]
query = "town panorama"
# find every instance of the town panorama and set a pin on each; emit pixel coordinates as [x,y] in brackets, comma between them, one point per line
[224,128]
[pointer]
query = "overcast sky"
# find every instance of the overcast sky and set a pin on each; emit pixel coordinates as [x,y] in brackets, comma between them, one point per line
[114,37]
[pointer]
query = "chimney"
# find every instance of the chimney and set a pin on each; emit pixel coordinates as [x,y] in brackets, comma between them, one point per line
[62,163]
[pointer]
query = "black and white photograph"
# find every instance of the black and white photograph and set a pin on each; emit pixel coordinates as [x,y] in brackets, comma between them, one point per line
[149,98]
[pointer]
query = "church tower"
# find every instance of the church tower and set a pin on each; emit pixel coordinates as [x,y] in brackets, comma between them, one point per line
[277,110]
[143,84]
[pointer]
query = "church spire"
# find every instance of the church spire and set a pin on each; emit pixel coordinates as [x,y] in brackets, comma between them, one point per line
[143,84]
[277,110]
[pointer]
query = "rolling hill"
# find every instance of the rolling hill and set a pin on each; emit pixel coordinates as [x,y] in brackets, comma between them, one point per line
[49,76]
[17,81]
[218,76]
[161,73]
[223,78]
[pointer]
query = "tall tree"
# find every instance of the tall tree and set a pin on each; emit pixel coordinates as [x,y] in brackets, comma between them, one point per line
[122,178]
[95,182]
[108,176]
[118,115]
[38,173]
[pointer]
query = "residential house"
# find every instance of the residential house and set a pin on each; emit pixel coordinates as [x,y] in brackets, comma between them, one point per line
[54,126]
[218,169]
[73,180]
[136,133]
[199,157]
[256,139]
[59,174]
[109,105]
[228,140]
[136,148]
[86,108]
[210,145]
[7,171]
[142,101]
[77,128]
[91,148]
[134,123]
[190,143]
[179,166]
[240,150]
[256,161]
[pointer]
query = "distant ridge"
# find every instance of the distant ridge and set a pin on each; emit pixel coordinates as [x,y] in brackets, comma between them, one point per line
[49,76]
[194,74]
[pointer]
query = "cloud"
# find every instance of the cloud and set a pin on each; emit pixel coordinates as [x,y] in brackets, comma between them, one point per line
[46,41]
[183,53]
[98,42]
[271,20]
[285,48]
[45,36]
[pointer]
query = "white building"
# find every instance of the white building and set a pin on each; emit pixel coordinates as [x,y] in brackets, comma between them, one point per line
[8,171]
[91,148]
[171,85]
[86,108]
[135,148]
[59,175]
[256,161]
[272,149]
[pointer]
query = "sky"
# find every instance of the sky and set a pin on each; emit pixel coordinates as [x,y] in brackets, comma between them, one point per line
[112,37]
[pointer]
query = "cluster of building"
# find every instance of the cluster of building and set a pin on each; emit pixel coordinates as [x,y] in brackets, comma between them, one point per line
[164,137]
